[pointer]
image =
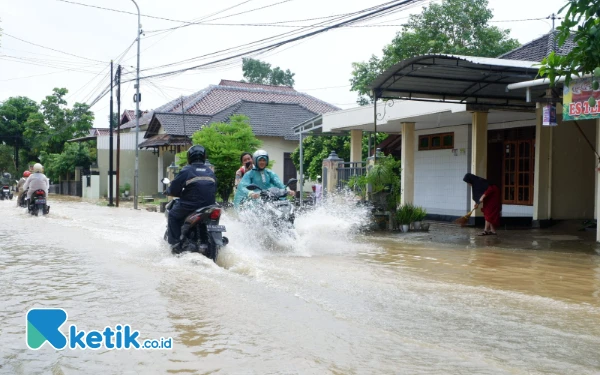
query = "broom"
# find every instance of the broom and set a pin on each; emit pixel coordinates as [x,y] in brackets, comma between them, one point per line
[465,219]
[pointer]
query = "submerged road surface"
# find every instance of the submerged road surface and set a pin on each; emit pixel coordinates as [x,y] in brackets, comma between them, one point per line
[332,301]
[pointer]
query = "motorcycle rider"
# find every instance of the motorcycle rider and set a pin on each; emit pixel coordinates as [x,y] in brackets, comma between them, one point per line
[20,186]
[260,176]
[196,187]
[36,181]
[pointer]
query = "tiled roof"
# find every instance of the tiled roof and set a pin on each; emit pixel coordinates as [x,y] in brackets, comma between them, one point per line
[268,119]
[225,82]
[99,131]
[539,48]
[217,98]
[176,123]
[128,117]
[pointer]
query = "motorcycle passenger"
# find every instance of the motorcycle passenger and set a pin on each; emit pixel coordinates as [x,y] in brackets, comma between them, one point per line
[260,176]
[36,181]
[196,187]
[246,160]
[20,186]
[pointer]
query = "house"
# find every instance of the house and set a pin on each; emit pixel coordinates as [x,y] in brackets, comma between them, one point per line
[273,111]
[452,115]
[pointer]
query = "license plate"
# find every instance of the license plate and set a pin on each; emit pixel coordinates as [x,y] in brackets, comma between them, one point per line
[216,228]
[40,201]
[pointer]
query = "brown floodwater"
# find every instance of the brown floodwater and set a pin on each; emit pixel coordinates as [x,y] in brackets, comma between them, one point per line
[328,301]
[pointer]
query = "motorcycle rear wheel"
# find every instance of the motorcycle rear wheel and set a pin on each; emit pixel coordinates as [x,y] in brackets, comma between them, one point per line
[213,250]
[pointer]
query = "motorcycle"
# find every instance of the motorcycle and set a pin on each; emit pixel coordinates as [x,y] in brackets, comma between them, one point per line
[23,200]
[276,208]
[38,203]
[201,231]
[6,193]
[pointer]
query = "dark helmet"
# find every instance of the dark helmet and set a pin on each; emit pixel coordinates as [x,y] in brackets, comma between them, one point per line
[196,154]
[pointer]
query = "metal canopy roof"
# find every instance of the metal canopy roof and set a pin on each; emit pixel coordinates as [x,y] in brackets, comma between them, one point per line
[476,81]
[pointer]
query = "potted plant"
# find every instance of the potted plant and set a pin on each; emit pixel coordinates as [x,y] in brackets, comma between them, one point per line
[127,188]
[384,179]
[359,185]
[419,215]
[404,216]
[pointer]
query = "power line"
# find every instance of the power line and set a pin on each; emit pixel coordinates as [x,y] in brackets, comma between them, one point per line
[274,37]
[51,49]
[375,13]
[195,20]
[219,18]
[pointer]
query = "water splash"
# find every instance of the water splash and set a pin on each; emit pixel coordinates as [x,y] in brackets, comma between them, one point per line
[334,227]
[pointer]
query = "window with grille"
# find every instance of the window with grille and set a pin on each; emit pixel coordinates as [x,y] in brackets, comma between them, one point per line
[518,167]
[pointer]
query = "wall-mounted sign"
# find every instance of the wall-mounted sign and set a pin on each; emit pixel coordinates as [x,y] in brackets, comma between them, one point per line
[576,100]
[549,115]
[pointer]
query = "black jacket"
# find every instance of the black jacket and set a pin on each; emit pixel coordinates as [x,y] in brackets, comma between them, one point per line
[195,185]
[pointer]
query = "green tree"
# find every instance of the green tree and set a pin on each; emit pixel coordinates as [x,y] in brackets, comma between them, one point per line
[458,27]
[7,161]
[315,149]
[50,129]
[74,155]
[14,114]
[256,71]
[584,58]
[224,143]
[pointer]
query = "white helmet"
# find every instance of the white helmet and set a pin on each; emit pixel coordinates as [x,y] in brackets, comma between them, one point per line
[38,168]
[260,154]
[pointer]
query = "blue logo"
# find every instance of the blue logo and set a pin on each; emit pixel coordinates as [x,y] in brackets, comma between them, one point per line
[43,325]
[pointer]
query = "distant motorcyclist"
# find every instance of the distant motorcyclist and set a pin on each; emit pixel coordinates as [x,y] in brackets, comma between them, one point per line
[20,186]
[260,176]
[196,187]
[36,181]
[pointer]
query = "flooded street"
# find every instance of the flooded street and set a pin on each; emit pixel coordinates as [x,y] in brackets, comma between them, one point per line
[334,302]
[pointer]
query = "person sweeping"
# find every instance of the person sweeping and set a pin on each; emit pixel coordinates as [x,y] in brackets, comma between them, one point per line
[488,195]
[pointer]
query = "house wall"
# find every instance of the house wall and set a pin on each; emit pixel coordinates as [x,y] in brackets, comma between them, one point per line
[439,185]
[148,164]
[276,147]
[573,171]
[148,171]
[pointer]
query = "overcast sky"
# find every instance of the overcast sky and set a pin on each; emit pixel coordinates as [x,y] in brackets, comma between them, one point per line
[322,63]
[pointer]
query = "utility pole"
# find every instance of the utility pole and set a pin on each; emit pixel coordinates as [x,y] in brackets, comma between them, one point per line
[110,140]
[137,111]
[118,78]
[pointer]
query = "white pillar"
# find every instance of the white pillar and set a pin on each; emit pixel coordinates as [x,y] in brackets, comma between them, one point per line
[161,170]
[356,146]
[407,181]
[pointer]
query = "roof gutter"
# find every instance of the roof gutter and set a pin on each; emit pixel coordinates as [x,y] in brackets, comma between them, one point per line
[539,82]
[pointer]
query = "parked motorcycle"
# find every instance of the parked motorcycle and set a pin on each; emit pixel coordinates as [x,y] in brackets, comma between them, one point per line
[38,204]
[6,193]
[201,231]
[276,208]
